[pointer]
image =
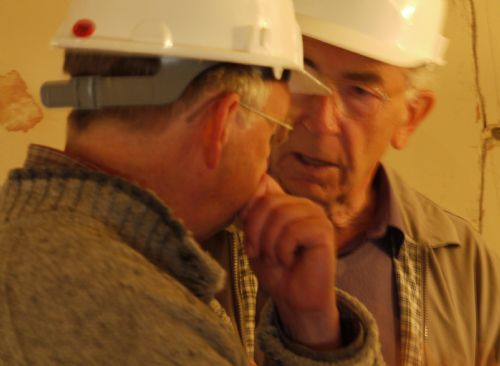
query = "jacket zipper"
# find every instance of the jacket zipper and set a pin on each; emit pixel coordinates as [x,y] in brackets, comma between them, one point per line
[236,285]
[424,295]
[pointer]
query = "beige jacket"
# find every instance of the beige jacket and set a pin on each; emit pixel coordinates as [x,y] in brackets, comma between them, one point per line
[448,286]
[457,321]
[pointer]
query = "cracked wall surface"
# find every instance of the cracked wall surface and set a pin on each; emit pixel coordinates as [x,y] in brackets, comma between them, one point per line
[488,15]
[451,158]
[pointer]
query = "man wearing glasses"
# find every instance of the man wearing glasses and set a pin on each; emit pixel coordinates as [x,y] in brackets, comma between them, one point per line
[427,277]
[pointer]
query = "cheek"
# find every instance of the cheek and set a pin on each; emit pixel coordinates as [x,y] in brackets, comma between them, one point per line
[364,143]
[280,157]
[279,138]
[278,144]
[261,146]
[382,136]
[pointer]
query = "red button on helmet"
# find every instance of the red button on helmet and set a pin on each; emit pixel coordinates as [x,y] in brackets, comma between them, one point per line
[84,28]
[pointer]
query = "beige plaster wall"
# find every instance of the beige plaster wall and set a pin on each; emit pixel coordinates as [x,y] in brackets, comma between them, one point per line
[488,12]
[447,159]
[25,29]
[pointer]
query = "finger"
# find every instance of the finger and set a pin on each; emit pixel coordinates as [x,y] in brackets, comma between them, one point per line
[288,213]
[307,268]
[257,216]
[287,248]
[300,236]
[304,273]
[269,276]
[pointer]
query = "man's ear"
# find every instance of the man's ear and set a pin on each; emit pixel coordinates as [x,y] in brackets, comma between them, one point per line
[417,109]
[215,126]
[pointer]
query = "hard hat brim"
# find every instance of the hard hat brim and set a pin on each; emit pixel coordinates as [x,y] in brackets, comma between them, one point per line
[368,46]
[303,82]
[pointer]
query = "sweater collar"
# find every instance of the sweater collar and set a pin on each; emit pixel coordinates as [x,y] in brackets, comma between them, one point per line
[52,180]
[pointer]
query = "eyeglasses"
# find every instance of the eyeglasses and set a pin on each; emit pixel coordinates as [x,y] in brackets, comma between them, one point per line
[281,123]
[354,99]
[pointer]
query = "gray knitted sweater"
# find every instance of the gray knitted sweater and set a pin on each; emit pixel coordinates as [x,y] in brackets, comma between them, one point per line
[96,271]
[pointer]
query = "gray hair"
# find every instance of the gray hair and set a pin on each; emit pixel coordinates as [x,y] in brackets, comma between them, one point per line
[419,78]
[244,80]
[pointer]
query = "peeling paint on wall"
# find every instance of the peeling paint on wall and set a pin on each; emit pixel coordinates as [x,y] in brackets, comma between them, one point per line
[18,109]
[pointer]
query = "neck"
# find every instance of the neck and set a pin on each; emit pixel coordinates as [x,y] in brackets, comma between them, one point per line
[352,218]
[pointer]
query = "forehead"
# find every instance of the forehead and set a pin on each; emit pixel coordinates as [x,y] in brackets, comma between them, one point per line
[338,63]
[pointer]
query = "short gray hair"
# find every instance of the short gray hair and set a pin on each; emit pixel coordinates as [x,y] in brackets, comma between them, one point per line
[419,78]
[244,80]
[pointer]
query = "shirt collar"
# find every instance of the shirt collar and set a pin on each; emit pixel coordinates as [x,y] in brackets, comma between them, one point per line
[388,215]
[423,221]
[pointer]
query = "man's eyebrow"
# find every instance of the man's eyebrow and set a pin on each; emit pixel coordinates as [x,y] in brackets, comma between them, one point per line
[365,77]
[368,77]
[361,76]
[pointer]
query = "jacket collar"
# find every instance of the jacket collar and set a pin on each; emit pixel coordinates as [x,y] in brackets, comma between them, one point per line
[423,221]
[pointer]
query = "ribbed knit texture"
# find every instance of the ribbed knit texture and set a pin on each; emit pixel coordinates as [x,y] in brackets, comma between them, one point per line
[95,271]
[135,215]
[359,333]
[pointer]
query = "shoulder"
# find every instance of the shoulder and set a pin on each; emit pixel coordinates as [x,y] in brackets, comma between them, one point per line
[452,240]
[427,222]
[79,295]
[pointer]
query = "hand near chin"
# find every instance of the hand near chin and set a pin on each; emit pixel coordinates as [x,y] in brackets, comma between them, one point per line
[290,242]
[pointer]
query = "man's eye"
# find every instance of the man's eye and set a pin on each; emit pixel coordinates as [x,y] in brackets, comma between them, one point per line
[359,91]
[359,101]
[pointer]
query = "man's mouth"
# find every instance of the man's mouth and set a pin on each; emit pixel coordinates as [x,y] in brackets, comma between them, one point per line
[306,160]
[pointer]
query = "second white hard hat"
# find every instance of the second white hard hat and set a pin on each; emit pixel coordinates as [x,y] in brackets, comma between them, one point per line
[404,33]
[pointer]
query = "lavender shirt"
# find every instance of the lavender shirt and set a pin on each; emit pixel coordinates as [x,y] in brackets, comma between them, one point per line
[366,270]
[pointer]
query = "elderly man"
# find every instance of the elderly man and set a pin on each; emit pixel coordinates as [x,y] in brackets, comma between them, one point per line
[425,274]
[167,143]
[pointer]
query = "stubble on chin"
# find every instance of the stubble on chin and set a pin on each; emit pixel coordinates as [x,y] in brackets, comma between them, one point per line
[334,201]
[339,213]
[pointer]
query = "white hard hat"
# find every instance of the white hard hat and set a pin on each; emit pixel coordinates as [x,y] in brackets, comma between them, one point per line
[250,32]
[405,33]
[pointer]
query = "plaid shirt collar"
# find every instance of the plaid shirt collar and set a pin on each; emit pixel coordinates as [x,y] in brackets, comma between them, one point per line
[388,217]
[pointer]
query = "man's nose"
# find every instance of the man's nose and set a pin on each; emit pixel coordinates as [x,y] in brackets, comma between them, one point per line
[323,116]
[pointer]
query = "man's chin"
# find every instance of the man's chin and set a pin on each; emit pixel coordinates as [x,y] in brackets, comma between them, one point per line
[313,191]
